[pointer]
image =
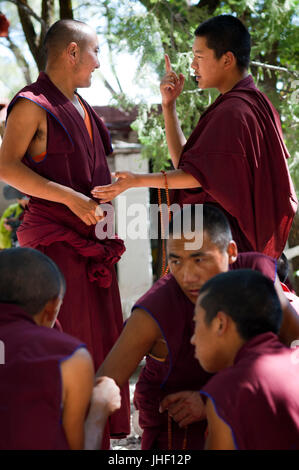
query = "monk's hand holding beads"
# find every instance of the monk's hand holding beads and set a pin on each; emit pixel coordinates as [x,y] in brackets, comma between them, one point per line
[125,180]
[184,407]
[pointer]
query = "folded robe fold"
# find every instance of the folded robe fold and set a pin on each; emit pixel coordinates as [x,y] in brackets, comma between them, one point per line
[42,228]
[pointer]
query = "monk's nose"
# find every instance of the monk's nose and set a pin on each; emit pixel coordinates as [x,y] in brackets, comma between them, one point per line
[189,275]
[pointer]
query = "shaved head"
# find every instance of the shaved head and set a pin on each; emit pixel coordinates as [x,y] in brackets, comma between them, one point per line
[29,278]
[215,224]
[62,33]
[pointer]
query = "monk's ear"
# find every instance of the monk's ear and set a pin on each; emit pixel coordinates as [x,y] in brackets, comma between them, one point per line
[232,252]
[221,323]
[72,51]
[229,60]
[49,313]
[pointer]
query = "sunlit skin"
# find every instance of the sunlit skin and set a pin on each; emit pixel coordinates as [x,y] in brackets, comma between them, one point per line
[210,72]
[75,65]
[88,61]
[216,344]
[192,268]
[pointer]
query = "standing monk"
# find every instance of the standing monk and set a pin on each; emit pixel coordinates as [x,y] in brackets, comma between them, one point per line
[54,149]
[235,158]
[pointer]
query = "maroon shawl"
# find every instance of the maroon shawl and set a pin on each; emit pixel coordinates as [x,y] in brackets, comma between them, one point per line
[237,154]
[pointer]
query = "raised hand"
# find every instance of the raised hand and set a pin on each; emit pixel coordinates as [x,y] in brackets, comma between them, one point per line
[125,180]
[171,85]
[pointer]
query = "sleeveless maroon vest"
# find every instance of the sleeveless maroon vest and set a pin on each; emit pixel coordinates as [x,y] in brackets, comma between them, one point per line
[258,397]
[30,382]
[71,159]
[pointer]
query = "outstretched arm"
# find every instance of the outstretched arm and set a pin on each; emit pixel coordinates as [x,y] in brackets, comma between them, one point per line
[136,340]
[176,179]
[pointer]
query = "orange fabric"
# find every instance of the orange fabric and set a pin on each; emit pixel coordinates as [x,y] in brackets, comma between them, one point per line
[87,121]
[40,157]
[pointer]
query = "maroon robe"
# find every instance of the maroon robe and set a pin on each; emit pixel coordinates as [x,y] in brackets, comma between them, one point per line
[91,310]
[173,312]
[258,396]
[30,382]
[237,154]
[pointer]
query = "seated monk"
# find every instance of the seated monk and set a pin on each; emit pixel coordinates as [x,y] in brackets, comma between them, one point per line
[47,379]
[237,319]
[171,411]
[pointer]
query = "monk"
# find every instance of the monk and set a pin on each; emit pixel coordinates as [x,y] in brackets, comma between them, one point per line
[47,378]
[237,319]
[54,150]
[171,412]
[236,155]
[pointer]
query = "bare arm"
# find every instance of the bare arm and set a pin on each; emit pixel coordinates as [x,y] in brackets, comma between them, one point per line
[289,330]
[219,434]
[104,401]
[77,379]
[176,179]
[25,120]
[136,340]
[171,87]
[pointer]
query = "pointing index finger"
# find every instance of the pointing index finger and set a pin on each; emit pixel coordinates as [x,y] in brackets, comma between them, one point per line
[167,63]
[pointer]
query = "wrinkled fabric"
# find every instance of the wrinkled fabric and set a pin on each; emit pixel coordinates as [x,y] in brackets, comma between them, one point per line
[30,382]
[43,227]
[237,154]
[257,396]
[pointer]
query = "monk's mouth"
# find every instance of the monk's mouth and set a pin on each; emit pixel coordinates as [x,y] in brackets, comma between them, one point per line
[194,292]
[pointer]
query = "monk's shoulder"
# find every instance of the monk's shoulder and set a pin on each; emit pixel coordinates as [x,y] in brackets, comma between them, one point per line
[161,292]
[27,107]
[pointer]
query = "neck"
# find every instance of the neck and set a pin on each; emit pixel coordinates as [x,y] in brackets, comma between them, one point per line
[231,347]
[231,81]
[62,80]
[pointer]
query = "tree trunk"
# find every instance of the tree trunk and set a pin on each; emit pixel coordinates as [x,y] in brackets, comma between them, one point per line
[66,9]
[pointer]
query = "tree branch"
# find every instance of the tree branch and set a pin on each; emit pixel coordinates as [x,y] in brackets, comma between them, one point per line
[66,9]
[110,56]
[21,61]
[25,7]
[107,84]
[274,67]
